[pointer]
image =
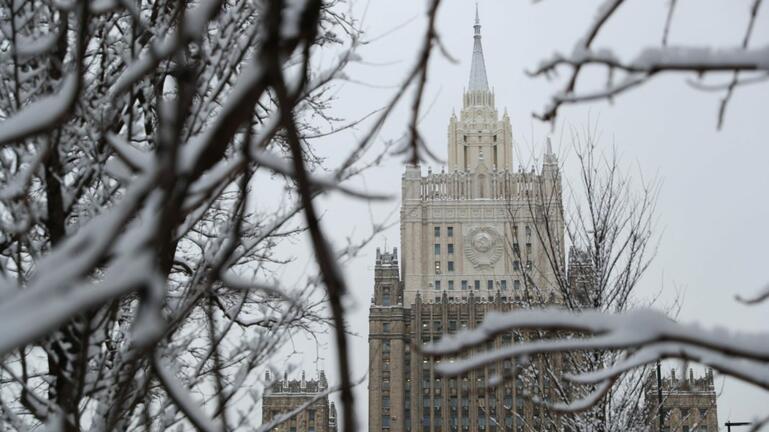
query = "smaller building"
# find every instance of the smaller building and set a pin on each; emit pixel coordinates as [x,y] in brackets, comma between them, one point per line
[688,403]
[285,396]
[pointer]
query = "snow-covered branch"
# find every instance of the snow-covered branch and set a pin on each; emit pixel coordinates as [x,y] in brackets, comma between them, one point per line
[651,61]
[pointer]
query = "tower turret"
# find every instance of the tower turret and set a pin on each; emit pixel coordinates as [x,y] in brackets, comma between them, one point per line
[387,289]
[478,128]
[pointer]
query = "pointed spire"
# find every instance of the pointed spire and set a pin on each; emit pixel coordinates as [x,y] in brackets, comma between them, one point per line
[478,81]
[549,156]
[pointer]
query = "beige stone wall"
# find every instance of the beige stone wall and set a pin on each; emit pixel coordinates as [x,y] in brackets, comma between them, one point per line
[504,222]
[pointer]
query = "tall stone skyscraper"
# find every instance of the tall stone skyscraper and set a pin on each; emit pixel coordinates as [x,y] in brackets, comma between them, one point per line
[469,245]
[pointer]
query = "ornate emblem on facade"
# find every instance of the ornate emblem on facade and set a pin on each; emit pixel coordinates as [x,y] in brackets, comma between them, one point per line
[483,247]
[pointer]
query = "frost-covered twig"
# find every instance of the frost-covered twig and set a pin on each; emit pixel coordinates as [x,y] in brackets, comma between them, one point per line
[650,62]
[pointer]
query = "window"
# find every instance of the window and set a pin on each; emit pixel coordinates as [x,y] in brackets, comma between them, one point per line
[503,284]
[451,284]
[311,415]
[386,401]
[464,284]
[437,326]
[528,248]
[386,346]
[528,232]
[437,285]
[386,327]
[385,421]
[437,248]
[450,248]
[437,267]
[450,266]
[516,265]
[450,231]
[490,284]
[437,231]
[516,284]
[477,284]
[528,265]
[386,296]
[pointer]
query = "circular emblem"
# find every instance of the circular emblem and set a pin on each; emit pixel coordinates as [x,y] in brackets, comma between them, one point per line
[483,247]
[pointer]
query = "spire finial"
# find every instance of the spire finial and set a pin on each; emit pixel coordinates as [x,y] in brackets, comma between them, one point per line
[478,79]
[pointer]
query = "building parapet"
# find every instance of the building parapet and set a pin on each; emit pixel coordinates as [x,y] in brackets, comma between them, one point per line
[295,386]
[465,185]
[674,384]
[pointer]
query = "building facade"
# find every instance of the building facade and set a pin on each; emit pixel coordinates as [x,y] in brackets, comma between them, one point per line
[472,243]
[688,403]
[285,396]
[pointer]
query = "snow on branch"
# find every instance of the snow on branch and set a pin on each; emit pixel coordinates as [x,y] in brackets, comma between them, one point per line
[194,27]
[667,58]
[655,335]
[59,290]
[180,396]
[41,114]
[649,62]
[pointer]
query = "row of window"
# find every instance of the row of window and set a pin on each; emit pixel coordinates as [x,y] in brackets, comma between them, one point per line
[450,266]
[450,231]
[450,249]
[464,284]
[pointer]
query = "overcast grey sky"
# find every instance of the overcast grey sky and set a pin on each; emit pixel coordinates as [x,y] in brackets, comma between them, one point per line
[713,209]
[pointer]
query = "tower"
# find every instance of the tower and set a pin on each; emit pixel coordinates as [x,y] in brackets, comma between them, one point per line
[457,226]
[478,134]
[468,246]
